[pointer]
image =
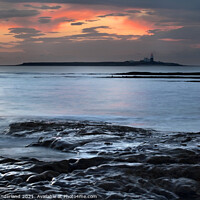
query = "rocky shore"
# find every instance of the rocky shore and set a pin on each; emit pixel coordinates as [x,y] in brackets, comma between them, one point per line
[154,75]
[110,162]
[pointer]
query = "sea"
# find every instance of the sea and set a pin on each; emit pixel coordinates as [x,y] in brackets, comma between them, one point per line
[73,120]
[87,93]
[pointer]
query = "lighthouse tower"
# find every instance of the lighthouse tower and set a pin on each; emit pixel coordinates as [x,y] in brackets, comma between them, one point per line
[152,58]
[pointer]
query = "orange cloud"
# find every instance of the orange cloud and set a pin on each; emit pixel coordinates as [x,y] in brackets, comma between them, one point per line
[60,23]
[171,40]
[6,37]
[136,27]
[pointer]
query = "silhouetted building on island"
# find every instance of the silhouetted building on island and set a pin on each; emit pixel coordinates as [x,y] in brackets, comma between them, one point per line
[151,58]
[148,60]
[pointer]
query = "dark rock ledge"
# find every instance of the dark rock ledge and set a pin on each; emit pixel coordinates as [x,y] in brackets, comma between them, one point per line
[120,163]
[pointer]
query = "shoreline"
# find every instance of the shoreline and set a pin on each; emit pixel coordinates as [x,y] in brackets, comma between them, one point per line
[114,162]
[154,77]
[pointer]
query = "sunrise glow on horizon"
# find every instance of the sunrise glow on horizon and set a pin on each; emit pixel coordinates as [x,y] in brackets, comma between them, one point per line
[33,29]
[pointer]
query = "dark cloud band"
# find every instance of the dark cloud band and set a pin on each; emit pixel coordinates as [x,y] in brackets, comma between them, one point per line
[170,4]
[17,13]
[43,7]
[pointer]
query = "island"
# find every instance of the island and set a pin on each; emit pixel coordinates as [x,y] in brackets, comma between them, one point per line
[146,61]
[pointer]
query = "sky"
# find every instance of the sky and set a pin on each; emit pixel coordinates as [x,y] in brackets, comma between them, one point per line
[99,30]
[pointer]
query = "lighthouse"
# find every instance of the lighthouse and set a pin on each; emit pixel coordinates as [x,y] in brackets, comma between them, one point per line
[151,58]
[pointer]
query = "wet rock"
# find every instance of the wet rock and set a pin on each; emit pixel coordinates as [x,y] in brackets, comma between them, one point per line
[61,145]
[108,143]
[160,160]
[60,183]
[192,172]
[7,160]
[33,126]
[165,194]
[186,188]
[165,183]
[17,180]
[133,188]
[86,163]
[183,144]
[180,152]
[115,196]
[46,142]
[47,175]
[114,162]
[59,166]
[91,131]
[110,186]
[194,159]
[188,139]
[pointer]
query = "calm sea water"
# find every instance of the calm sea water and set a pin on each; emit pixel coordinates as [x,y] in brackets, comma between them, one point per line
[83,93]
